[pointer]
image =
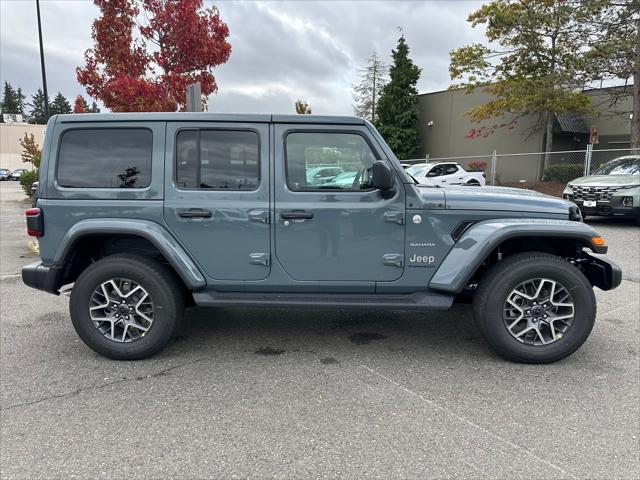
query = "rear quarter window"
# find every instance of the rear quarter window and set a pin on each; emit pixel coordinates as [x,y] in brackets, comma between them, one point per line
[105,158]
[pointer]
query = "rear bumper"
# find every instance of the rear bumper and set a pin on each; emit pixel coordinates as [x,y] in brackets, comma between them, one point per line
[39,276]
[601,272]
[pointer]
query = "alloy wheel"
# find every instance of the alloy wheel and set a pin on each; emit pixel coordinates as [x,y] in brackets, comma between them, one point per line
[539,311]
[122,310]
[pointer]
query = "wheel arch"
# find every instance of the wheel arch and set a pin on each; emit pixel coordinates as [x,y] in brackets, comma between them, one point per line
[486,242]
[88,240]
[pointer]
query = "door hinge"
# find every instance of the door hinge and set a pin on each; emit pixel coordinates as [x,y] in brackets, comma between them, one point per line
[395,217]
[393,259]
[260,259]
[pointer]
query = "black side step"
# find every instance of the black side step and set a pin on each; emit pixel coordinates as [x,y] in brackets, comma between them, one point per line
[418,300]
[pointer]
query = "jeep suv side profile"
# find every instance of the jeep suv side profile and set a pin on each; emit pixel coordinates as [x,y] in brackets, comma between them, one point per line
[141,215]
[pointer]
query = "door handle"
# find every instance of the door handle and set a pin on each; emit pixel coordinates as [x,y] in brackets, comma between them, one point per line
[195,213]
[261,216]
[296,215]
[395,217]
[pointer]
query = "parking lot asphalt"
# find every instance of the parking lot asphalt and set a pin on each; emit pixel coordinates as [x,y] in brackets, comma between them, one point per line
[313,393]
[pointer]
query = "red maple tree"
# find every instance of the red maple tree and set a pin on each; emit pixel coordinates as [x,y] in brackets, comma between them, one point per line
[78,105]
[179,43]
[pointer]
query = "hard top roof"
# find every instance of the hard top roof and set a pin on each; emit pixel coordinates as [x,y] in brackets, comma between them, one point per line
[207,117]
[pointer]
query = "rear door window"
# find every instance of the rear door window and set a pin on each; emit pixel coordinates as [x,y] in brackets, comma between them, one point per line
[105,158]
[218,159]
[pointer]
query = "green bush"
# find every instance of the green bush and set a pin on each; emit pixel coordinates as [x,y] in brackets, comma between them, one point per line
[26,180]
[562,172]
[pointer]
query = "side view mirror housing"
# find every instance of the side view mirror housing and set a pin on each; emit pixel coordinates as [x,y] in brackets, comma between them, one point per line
[381,176]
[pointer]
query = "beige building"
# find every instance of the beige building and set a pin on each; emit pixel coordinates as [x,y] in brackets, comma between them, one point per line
[10,149]
[447,132]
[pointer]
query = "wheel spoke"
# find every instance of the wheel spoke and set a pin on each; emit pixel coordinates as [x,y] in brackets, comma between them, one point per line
[140,327]
[537,330]
[523,331]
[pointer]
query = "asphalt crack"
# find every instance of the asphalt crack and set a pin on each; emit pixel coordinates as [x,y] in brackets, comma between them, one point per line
[78,391]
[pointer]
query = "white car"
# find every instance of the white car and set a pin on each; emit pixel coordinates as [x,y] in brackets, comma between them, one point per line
[445,173]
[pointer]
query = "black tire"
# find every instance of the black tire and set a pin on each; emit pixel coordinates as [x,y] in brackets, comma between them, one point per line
[500,280]
[161,283]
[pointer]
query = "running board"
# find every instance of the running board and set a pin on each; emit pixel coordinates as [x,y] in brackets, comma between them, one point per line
[412,301]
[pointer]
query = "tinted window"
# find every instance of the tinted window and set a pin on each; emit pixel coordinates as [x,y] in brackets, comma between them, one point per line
[436,171]
[105,158]
[328,161]
[220,159]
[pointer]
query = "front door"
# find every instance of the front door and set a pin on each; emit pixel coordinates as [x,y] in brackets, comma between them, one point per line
[217,196]
[336,229]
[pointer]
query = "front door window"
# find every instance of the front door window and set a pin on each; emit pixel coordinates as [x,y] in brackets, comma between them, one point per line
[328,161]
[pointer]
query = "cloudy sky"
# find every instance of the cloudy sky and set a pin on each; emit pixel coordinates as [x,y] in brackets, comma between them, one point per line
[281,51]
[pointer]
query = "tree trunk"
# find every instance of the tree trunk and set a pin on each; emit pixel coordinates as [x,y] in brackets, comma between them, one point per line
[548,137]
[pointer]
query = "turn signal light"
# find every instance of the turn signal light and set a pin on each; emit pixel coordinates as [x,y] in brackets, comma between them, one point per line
[599,241]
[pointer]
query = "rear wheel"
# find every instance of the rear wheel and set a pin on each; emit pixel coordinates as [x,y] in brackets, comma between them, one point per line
[535,308]
[126,307]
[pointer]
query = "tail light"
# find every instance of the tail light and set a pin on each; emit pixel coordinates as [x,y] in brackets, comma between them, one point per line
[35,222]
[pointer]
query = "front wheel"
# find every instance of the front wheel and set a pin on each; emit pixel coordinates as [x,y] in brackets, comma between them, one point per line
[126,307]
[535,308]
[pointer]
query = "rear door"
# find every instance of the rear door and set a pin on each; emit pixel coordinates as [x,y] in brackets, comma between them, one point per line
[217,196]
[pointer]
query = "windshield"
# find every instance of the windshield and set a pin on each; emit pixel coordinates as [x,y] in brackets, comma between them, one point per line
[620,166]
[415,170]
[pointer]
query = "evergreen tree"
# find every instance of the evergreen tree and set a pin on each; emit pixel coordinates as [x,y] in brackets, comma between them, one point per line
[9,99]
[367,93]
[37,108]
[398,105]
[60,105]
[20,98]
[93,108]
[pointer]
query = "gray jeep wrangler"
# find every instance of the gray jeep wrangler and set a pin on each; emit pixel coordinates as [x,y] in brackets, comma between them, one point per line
[144,214]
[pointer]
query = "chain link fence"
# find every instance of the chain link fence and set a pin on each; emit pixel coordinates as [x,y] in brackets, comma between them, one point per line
[544,172]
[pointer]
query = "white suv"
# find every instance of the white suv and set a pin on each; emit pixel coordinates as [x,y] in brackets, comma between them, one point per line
[445,173]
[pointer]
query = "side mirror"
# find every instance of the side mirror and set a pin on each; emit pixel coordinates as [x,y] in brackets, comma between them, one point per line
[381,175]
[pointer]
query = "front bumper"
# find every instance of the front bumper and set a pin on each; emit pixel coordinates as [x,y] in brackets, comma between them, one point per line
[606,208]
[601,272]
[39,276]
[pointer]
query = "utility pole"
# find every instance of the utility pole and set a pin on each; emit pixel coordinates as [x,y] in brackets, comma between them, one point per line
[44,75]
